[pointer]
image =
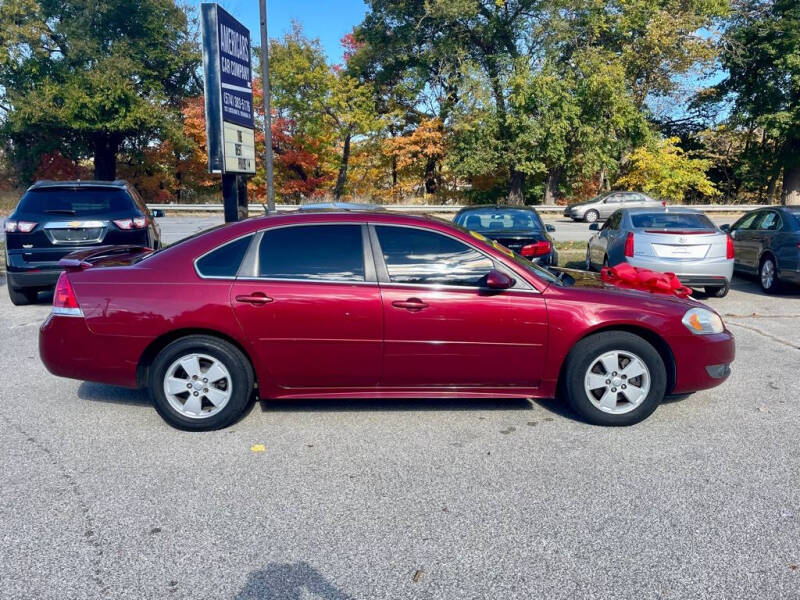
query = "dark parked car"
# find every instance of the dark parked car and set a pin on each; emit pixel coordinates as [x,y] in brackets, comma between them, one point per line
[518,228]
[767,243]
[354,304]
[54,218]
[602,206]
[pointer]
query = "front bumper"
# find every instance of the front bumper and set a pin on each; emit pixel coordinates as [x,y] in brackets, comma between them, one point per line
[702,361]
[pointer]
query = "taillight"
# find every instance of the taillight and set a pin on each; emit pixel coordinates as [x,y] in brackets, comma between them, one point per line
[20,226]
[135,223]
[538,249]
[629,247]
[64,301]
[731,250]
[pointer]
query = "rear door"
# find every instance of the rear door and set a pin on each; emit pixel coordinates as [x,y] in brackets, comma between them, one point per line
[608,235]
[745,243]
[442,328]
[311,307]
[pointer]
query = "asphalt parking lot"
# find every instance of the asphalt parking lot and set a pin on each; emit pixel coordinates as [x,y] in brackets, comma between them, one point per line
[405,499]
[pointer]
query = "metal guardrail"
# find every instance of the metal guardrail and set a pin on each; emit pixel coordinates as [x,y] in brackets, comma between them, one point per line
[428,209]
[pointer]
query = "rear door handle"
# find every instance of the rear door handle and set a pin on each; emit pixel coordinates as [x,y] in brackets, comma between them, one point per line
[412,304]
[256,299]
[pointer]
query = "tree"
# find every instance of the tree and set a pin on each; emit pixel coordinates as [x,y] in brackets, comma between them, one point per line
[761,53]
[93,78]
[663,169]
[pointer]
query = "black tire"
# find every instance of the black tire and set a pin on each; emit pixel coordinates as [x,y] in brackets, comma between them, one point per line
[586,353]
[588,264]
[605,261]
[769,284]
[717,291]
[591,216]
[241,375]
[22,297]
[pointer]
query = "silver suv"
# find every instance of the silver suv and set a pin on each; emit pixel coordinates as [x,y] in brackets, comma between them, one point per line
[601,207]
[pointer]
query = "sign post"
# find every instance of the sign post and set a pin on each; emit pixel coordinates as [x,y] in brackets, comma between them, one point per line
[228,83]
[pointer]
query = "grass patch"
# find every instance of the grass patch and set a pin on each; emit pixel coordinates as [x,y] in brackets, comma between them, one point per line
[3,262]
[571,255]
[8,201]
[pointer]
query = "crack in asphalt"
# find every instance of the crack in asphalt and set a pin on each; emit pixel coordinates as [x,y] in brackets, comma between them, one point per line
[89,535]
[766,335]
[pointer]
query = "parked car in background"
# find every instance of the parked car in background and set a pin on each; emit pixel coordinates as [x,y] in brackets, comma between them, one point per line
[669,240]
[767,243]
[54,218]
[602,206]
[518,228]
[283,306]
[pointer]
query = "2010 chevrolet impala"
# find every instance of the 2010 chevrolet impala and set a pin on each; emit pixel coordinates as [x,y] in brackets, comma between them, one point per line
[346,304]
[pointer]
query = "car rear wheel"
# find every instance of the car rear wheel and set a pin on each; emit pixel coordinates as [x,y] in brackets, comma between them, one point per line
[768,275]
[615,378]
[591,216]
[588,260]
[22,297]
[200,383]
[717,291]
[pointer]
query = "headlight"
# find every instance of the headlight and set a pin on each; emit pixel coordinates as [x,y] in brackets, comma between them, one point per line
[702,321]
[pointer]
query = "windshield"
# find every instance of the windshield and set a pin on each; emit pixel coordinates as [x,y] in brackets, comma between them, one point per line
[540,272]
[75,202]
[671,221]
[490,220]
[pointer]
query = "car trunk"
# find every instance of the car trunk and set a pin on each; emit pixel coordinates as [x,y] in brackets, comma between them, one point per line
[680,245]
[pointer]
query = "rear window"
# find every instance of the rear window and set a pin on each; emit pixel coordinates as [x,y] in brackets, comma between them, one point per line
[225,260]
[671,221]
[492,219]
[78,202]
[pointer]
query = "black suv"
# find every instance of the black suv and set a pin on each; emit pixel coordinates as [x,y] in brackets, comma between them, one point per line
[54,218]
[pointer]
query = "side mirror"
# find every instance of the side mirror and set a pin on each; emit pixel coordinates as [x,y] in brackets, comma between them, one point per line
[726,228]
[157,213]
[550,228]
[496,280]
[594,227]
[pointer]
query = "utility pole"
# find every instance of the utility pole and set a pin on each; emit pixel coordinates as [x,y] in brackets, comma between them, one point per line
[267,107]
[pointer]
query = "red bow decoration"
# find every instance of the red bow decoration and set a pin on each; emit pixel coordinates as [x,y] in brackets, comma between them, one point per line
[634,278]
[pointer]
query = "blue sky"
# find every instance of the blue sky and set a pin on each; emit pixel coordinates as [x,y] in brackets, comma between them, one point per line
[327,20]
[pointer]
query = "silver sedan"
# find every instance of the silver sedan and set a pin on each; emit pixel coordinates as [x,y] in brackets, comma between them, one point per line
[668,240]
[601,207]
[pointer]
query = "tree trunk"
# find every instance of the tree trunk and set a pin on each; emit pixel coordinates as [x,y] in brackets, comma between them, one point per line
[516,188]
[106,147]
[551,187]
[601,181]
[790,194]
[772,185]
[341,180]
[431,182]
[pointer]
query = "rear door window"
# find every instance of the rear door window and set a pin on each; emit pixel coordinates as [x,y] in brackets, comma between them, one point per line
[76,202]
[313,252]
[770,222]
[224,262]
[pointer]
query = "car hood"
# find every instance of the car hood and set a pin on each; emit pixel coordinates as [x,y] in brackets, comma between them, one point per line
[592,281]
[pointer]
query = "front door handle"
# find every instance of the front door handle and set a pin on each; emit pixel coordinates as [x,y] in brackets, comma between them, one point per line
[412,304]
[256,299]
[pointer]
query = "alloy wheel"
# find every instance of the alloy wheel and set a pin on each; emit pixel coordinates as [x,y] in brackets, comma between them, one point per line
[767,274]
[198,386]
[617,382]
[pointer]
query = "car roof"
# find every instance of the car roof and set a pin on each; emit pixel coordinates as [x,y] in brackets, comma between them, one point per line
[46,183]
[499,206]
[662,210]
[340,206]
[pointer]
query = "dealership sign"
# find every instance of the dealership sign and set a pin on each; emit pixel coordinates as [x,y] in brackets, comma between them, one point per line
[228,82]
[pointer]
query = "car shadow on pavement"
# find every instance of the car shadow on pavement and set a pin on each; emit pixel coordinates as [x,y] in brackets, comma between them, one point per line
[99,392]
[289,582]
[748,284]
[394,404]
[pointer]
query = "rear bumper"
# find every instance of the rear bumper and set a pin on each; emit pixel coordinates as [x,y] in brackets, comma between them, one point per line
[33,278]
[702,361]
[713,272]
[69,349]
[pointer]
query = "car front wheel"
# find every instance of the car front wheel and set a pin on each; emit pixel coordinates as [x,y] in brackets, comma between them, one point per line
[591,216]
[768,275]
[200,383]
[615,378]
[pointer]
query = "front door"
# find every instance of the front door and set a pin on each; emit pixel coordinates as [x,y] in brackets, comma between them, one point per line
[312,310]
[442,328]
[745,241]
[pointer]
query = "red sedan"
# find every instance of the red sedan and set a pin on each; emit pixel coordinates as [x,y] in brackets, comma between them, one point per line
[357,305]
